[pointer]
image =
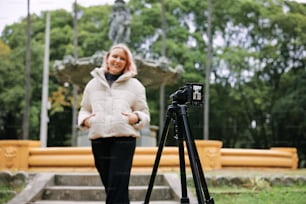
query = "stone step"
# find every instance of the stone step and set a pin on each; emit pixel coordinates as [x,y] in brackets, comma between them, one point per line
[94,180]
[95,193]
[86,188]
[99,202]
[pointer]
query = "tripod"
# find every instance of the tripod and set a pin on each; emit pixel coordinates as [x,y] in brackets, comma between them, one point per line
[177,113]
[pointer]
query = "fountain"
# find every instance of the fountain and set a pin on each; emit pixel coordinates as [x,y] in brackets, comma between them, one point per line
[152,73]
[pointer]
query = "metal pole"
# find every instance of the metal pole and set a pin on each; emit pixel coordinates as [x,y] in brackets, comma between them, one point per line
[161,105]
[207,74]
[45,89]
[164,26]
[75,87]
[162,86]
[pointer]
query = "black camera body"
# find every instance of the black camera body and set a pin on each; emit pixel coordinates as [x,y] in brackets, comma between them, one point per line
[191,93]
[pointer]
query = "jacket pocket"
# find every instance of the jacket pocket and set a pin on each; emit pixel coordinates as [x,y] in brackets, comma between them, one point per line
[97,124]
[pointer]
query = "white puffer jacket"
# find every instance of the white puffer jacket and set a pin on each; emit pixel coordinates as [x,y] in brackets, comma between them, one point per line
[126,94]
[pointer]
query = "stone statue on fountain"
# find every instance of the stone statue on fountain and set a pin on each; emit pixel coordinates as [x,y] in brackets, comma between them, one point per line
[119,22]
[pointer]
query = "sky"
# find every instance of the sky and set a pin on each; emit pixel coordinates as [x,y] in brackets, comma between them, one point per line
[12,11]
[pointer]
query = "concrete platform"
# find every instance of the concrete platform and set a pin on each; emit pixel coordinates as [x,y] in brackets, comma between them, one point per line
[43,179]
[86,188]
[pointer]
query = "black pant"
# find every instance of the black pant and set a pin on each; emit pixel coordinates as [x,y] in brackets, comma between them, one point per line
[113,160]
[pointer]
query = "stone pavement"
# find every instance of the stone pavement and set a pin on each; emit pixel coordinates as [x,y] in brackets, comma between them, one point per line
[99,202]
[86,188]
[256,172]
[253,172]
[253,176]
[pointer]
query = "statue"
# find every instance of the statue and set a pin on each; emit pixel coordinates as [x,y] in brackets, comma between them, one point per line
[119,21]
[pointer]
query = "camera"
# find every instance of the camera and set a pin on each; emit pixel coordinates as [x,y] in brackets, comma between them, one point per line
[191,93]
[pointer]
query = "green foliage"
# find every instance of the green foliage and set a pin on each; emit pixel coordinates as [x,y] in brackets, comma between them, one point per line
[11,93]
[4,50]
[257,77]
[6,194]
[289,115]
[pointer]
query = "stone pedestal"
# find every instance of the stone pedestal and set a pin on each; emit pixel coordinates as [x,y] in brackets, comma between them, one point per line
[14,154]
[209,153]
[148,137]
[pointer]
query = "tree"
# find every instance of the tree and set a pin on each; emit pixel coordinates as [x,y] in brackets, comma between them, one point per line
[257,76]
[27,96]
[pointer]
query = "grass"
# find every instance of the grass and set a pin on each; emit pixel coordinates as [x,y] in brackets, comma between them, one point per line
[274,195]
[6,194]
[258,191]
[294,194]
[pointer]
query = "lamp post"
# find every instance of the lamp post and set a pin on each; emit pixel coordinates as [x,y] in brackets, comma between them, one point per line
[44,98]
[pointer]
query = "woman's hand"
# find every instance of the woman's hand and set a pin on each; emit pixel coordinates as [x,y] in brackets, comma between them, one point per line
[86,121]
[132,117]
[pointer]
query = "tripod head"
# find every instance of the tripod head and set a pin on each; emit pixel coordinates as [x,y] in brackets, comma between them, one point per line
[191,93]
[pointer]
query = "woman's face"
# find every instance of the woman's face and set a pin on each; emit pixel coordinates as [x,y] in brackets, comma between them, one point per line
[116,61]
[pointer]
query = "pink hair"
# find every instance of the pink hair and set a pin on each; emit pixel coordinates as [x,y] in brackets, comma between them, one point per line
[130,66]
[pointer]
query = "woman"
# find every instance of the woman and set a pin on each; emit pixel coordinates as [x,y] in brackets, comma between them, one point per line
[114,109]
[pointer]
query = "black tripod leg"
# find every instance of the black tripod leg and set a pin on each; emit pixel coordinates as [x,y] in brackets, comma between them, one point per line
[180,138]
[195,163]
[158,156]
[208,199]
[195,173]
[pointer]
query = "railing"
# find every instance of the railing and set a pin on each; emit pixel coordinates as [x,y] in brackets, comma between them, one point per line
[273,158]
[28,156]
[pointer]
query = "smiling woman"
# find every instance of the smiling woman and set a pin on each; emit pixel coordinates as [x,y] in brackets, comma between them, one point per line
[114,109]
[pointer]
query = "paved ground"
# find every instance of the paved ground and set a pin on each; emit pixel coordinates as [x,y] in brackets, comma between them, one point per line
[99,202]
[229,172]
[232,172]
[256,172]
